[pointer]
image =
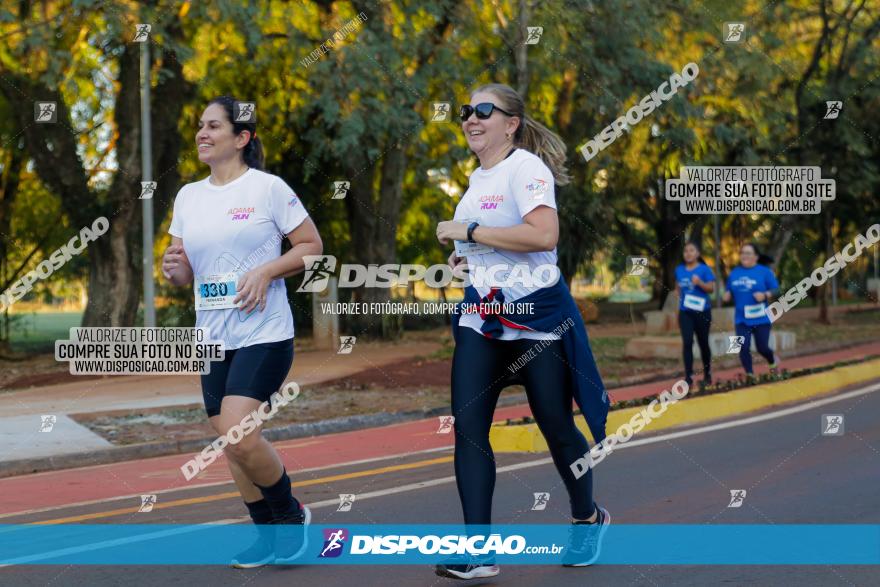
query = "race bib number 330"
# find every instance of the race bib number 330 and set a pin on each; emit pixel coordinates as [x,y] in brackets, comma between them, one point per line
[215,292]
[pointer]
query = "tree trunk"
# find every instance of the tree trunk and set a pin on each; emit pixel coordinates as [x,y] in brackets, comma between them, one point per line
[521,52]
[373,223]
[668,229]
[823,290]
[114,279]
[115,274]
[8,191]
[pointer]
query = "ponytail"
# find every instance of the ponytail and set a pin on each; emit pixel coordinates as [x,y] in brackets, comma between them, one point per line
[763,259]
[546,144]
[252,154]
[531,135]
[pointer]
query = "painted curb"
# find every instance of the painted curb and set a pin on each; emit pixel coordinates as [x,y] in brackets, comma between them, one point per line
[144,450]
[699,410]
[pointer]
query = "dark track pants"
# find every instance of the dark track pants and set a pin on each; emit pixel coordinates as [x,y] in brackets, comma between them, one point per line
[479,373]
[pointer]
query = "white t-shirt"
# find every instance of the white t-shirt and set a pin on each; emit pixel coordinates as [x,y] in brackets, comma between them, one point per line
[234,228]
[502,196]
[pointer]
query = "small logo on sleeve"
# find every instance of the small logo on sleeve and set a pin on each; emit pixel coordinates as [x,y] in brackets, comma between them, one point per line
[537,188]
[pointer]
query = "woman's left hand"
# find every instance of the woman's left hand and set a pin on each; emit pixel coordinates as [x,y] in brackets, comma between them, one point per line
[759,296]
[450,229]
[252,290]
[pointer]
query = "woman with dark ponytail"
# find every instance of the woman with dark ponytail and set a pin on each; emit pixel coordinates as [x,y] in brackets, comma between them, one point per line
[506,224]
[221,228]
[694,282]
[751,285]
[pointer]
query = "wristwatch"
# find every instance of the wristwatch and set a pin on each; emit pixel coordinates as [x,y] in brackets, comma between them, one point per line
[470,231]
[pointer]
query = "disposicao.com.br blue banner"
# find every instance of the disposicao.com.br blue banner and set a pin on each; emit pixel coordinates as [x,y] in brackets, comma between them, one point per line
[215,544]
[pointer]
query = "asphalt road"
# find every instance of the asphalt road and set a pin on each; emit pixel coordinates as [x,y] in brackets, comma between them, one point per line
[792,474]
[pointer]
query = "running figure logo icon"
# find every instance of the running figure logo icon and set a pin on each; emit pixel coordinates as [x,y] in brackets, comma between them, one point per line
[832,424]
[734,32]
[45,112]
[832,109]
[534,34]
[147,503]
[334,541]
[446,424]
[245,111]
[346,345]
[441,112]
[340,190]
[346,500]
[318,272]
[47,423]
[736,498]
[541,501]
[639,265]
[142,33]
[147,190]
[736,343]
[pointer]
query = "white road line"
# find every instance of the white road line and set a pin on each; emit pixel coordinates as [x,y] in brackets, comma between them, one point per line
[443,480]
[535,463]
[650,440]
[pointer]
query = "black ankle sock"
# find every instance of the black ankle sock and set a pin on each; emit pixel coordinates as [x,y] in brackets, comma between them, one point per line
[279,498]
[596,511]
[259,511]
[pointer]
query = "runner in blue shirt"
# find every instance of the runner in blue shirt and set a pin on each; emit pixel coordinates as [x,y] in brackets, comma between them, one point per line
[694,281]
[751,285]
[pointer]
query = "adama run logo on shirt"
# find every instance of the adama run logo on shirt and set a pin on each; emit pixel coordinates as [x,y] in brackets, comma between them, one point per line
[744,282]
[491,202]
[240,213]
[537,188]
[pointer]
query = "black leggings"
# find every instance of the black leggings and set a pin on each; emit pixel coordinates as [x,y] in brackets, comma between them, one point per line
[479,373]
[762,344]
[692,322]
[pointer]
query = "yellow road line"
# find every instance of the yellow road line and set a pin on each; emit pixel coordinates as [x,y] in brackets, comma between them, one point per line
[231,494]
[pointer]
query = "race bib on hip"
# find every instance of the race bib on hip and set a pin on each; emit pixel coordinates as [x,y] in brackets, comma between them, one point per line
[754,310]
[215,292]
[464,248]
[692,302]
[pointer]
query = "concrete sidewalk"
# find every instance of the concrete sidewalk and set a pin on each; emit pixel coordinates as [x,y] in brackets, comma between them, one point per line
[138,392]
[23,411]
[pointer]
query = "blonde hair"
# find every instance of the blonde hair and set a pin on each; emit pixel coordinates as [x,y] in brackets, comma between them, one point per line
[531,135]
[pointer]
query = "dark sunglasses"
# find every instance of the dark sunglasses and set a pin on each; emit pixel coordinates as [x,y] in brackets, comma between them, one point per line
[483,110]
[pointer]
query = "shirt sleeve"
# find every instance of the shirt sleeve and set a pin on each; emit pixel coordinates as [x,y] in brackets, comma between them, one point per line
[770,281]
[532,186]
[708,276]
[176,228]
[285,207]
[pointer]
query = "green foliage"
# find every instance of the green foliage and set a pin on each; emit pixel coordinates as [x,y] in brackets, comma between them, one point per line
[343,114]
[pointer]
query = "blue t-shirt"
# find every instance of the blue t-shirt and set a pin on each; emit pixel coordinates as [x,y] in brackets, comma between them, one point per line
[742,284]
[693,297]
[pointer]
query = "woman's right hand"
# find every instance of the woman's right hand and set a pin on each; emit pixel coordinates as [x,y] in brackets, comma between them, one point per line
[726,297]
[173,261]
